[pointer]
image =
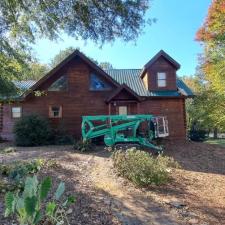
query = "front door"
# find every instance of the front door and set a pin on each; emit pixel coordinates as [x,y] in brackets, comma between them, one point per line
[122,110]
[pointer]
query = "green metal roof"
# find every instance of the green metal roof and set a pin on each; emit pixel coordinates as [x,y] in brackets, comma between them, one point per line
[131,77]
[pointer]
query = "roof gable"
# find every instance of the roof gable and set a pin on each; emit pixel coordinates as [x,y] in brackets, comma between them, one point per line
[76,53]
[163,54]
[120,89]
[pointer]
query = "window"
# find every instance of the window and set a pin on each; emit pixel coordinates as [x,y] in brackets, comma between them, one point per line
[161,79]
[16,112]
[55,111]
[96,84]
[59,85]
[122,110]
[162,126]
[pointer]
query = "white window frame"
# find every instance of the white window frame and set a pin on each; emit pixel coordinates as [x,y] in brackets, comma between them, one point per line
[163,122]
[51,114]
[161,79]
[16,112]
[123,110]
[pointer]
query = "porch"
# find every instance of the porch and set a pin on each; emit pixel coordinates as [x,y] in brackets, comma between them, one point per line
[123,101]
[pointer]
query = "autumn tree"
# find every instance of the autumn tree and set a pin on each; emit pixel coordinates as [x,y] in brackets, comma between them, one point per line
[22,22]
[212,63]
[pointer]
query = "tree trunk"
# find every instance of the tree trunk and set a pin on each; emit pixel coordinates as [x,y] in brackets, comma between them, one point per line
[215,132]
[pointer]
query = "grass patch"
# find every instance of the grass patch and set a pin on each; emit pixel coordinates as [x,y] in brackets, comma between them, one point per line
[220,142]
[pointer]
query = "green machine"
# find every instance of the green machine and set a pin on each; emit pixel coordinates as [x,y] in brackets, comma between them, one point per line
[125,129]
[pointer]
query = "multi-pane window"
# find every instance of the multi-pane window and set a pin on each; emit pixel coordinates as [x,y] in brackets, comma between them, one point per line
[16,112]
[60,84]
[55,111]
[97,84]
[161,79]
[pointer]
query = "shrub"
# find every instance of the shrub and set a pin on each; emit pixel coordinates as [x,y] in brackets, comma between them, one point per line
[63,139]
[7,150]
[14,174]
[32,130]
[197,135]
[29,205]
[141,168]
[84,146]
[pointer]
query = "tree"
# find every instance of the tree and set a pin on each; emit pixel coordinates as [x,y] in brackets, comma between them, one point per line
[212,64]
[36,71]
[202,110]
[58,58]
[106,65]
[22,22]
[61,56]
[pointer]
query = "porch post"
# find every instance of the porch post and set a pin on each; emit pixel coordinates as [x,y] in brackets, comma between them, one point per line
[138,107]
[109,108]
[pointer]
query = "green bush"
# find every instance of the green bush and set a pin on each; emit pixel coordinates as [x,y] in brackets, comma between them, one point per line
[63,139]
[197,135]
[32,130]
[84,146]
[141,168]
[14,174]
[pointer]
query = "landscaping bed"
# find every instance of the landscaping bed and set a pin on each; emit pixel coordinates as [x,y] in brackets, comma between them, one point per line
[194,195]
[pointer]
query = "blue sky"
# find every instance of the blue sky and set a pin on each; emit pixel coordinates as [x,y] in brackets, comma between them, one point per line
[174,32]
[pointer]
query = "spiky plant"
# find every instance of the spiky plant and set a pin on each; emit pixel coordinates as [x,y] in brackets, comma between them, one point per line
[28,205]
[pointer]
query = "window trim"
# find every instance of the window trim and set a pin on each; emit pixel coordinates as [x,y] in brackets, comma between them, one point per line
[12,112]
[161,79]
[50,114]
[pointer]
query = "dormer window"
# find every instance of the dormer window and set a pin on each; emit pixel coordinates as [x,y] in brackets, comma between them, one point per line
[161,79]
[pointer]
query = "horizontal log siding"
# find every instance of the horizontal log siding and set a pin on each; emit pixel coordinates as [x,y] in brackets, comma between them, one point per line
[79,101]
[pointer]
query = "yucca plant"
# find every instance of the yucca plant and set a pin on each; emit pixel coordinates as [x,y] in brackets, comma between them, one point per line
[28,205]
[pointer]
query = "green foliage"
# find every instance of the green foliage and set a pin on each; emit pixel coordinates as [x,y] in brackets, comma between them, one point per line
[45,188]
[7,150]
[197,134]
[84,146]
[141,168]
[35,71]
[9,203]
[63,140]
[15,173]
[61,56]
[106,65]
[32,130]
[21,168]
[212,63]
[46,19]
[29,205]
[60,190]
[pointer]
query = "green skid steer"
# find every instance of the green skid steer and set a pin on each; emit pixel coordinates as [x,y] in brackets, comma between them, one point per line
[125,129]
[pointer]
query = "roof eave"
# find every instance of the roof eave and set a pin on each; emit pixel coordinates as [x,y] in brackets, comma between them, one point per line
[119,89]
[63,63]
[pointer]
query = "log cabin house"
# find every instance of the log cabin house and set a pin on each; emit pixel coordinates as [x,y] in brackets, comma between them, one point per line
[77,87]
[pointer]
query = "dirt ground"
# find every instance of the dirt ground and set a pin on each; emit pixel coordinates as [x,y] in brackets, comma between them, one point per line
[195,194]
